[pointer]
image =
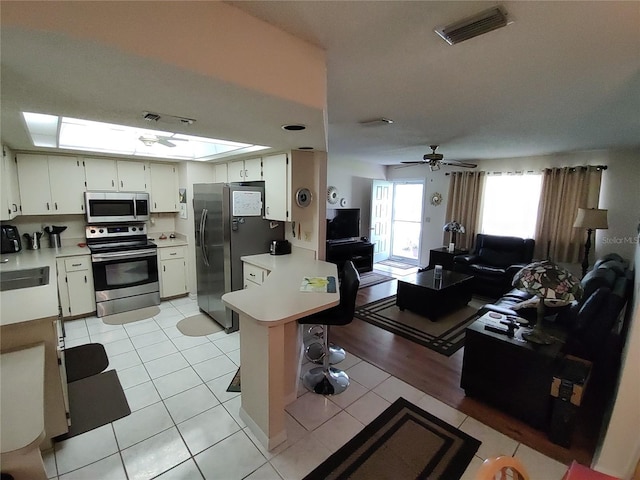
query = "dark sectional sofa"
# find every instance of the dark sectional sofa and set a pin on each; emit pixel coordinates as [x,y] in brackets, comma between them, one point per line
[590,320]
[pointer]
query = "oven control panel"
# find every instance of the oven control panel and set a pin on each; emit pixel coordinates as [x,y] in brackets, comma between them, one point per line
[115,231]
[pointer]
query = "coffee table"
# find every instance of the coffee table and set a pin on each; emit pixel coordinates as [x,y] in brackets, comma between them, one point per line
[423,294]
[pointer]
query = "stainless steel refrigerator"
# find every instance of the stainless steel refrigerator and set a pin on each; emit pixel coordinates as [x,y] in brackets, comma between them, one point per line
[229,224]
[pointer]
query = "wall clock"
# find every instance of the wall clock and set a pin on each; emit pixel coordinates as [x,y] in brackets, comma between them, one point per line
[436,198]
[303,197]
[332,195]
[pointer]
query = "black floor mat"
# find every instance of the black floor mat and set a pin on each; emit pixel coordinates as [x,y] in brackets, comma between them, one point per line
[84,361]
[95,401]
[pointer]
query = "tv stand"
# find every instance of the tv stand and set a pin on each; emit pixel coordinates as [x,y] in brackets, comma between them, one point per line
[358,251]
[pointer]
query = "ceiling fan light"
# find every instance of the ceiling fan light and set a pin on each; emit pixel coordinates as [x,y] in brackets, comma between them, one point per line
[434,166]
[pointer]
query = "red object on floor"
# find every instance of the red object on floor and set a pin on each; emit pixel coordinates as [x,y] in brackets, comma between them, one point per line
[580,472]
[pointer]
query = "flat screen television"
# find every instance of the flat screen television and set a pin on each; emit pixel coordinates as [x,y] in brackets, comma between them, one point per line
[343,223]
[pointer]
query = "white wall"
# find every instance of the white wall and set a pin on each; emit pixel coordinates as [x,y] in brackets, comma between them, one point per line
[620,450]
[354,179]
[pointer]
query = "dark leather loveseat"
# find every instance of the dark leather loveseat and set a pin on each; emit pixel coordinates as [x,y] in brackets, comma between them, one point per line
[494,262]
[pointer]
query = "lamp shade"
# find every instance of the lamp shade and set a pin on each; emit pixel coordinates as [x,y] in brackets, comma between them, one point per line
[454,227]
[592,218]
[548,281]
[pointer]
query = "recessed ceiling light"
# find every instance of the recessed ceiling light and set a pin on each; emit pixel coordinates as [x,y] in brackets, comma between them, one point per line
[294,127]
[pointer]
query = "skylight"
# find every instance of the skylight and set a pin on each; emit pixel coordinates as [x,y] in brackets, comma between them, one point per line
[75,134]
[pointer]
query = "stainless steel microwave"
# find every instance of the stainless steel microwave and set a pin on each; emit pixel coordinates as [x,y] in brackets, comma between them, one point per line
[112,207]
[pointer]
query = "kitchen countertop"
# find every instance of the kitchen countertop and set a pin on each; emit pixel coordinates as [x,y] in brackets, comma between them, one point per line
[32,303]
[179,241]
[266,303]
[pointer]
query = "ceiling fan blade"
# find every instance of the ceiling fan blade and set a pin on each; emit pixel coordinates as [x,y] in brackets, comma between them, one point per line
[414,162]
[455,163]
[165,142]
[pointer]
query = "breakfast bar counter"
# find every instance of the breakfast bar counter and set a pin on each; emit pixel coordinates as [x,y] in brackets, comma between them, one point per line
[271,340]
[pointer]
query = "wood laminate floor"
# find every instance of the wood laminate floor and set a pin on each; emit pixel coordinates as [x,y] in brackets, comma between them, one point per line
[439,376]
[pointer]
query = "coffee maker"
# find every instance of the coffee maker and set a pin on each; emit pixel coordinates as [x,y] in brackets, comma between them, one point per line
[10,239]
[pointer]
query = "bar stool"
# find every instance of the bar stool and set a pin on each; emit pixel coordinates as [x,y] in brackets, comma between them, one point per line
[328,380]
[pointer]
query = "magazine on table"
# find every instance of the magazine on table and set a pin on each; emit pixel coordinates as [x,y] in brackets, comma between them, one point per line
[319,284]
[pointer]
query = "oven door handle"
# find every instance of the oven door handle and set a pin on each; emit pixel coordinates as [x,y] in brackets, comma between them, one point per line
[107,257]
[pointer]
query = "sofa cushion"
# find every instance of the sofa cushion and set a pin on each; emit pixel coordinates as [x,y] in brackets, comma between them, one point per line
[616,266]
[499,258]
[486,270]
[601,277]
[589,311]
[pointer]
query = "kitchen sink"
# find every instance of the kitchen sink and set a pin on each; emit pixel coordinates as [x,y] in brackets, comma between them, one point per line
[26,278]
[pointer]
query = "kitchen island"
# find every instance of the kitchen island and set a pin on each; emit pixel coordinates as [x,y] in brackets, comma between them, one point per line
[271,339]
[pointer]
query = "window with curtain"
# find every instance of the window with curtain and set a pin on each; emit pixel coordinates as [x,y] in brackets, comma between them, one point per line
[510,205]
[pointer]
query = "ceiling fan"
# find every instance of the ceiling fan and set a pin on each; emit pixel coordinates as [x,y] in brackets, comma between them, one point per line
[434,160]
[150,139]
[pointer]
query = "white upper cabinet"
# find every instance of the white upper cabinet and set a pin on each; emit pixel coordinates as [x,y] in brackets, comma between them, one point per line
[101,174]
[50,184]
[9,191]
[164,187]
[132,176]
[66,176]
[249,170]
[106,175]
[220,173]
[276,171]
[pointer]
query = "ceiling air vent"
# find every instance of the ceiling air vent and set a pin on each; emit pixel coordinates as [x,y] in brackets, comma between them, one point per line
[470,27]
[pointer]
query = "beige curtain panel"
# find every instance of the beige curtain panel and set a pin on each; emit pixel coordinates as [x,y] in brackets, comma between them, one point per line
[463,205]
[564,190]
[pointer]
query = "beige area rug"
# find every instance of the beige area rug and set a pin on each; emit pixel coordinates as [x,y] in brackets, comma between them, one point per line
[198,325]
[444,336]
[403,442]
[131,316]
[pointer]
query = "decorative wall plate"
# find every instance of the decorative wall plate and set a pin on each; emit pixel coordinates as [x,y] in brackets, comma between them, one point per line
[303,197]
[343,202]
[436,198]
[332,195]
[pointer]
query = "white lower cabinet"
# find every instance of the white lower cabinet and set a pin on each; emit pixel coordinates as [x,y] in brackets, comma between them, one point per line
[75,285]
[253,276]
[173,271]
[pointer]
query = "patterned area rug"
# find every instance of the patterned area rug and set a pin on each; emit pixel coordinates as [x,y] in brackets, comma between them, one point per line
[446,336]
[369,279]
[403,442]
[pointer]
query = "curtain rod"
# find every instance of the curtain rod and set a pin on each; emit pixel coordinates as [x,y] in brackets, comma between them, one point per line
[521,172]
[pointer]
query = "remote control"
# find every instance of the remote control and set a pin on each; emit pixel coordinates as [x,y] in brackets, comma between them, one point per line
[493,329]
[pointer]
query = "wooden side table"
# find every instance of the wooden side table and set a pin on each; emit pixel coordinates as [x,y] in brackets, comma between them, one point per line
[442,256]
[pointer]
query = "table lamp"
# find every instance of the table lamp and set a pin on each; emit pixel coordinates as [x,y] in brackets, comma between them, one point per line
[549,283]
[591,219]
[453,227]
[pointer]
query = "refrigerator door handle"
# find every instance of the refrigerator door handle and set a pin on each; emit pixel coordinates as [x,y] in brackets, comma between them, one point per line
[203,222]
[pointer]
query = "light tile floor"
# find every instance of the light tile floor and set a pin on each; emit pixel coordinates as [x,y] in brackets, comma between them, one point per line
[185,425]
